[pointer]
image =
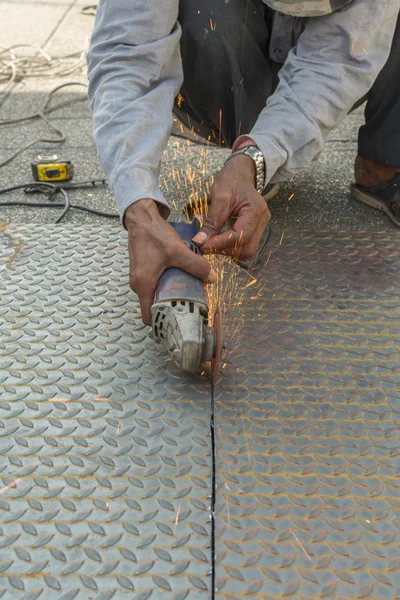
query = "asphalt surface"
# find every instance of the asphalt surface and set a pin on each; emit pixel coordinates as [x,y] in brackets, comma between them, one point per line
[318,198]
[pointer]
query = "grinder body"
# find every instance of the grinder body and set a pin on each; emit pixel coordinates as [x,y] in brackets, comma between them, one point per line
[180,312]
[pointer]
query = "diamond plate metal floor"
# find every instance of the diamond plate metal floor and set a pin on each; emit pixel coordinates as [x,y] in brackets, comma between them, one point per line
[307,422]
[105,454]
[104,449]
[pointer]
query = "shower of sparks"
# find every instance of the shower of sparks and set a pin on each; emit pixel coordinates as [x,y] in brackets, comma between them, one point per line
[190,188]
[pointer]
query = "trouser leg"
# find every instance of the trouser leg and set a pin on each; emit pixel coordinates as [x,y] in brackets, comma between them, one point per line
[227,74]
[379,138]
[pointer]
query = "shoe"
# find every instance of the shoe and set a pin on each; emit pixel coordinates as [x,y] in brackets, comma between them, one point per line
[384,197]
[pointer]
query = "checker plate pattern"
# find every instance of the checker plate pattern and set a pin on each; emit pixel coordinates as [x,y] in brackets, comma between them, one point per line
[105,460]
[308,425]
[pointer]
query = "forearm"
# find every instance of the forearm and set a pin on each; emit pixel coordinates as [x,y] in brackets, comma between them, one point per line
[134,75]
[335,62]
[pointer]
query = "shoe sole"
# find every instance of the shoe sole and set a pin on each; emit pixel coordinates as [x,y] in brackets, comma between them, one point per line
[366,198]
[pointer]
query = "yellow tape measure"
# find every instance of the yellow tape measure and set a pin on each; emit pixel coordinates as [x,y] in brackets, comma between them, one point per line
[51,168]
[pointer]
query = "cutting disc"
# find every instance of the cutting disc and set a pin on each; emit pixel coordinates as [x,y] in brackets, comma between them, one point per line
[216,361]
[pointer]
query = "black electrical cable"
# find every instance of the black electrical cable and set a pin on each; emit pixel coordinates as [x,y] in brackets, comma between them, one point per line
[42,114]
[53,189]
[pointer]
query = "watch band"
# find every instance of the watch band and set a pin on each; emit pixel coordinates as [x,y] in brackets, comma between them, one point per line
[258,158]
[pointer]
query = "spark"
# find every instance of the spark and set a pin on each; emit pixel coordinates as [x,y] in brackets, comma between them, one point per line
[283,235]
[227,506]
[177,515]
[301,545]
[10,485]
[58,400]
[118,428]
[290,197]
[252,282]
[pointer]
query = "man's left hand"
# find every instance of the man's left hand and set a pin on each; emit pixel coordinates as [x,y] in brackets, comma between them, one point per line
[234,200]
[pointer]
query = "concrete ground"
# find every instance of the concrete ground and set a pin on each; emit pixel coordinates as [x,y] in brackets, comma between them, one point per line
[319,198]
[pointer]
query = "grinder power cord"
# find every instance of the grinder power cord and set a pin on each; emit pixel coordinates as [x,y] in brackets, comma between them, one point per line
[51,189]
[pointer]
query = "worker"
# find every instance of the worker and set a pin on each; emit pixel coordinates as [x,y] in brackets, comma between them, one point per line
[269,79]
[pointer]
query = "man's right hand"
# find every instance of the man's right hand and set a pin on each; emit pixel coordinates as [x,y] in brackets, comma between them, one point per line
[154,246]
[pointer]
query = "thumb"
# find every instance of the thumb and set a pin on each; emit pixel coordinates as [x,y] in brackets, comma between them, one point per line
[196,265]
[215,221]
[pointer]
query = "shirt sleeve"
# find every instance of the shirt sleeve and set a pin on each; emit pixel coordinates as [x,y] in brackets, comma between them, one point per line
[334,64]
[134,72]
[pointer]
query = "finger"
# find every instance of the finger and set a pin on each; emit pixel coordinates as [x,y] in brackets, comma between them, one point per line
[227,240]
[235,244]
[195,265]
[146,302]
[240,234]
[217,216]
[145,288]
[249,250]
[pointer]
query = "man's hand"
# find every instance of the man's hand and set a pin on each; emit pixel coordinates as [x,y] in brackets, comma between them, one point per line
[235,200]
[155,246]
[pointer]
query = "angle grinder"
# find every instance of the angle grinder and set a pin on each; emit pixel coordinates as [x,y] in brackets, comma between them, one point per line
[180,315]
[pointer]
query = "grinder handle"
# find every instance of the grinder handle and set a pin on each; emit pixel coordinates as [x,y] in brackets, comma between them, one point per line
[176,284]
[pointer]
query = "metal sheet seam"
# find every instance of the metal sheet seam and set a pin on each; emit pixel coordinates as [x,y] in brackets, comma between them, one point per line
[213,490]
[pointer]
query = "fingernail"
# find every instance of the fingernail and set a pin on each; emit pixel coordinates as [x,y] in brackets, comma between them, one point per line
[200,238]
[212,276]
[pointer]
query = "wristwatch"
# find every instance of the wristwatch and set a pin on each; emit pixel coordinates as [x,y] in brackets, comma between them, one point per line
[259,162]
